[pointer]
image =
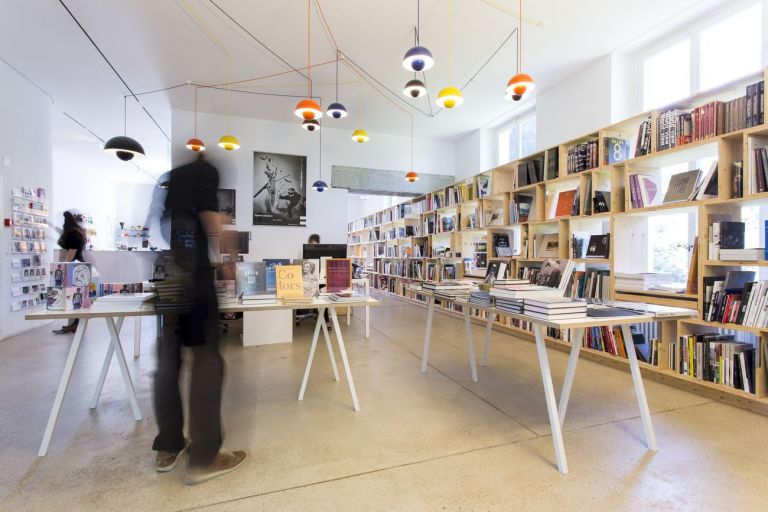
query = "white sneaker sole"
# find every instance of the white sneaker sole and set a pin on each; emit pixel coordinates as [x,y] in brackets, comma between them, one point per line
[175,462]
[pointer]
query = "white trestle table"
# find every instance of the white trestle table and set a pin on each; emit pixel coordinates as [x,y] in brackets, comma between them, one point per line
[115,315]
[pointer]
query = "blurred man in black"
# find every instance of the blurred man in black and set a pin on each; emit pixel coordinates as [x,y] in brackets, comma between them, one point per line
[195,229]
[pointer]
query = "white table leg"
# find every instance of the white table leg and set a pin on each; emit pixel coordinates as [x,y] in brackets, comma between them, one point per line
[428,334]
[311,356]
[63,385]
[367,322]
[487,339]
[329,345]
[470,344]
[549,394]
[105,366]
[344,359]
[136,336]
[123,368]
[349,316]
[642,401]
[578,336]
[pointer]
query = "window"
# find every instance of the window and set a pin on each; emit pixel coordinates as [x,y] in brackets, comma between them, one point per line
[666,75]
[518,138]
[669,252]
[731,48]
[713,53]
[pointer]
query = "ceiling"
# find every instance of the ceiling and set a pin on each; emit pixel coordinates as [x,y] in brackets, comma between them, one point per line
[155,44]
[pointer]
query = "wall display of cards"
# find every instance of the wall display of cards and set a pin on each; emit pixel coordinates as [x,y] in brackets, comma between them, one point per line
[29,213]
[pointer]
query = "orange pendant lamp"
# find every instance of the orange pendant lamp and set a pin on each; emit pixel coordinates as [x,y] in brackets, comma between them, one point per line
[308,109]
[194,143]
[522,83]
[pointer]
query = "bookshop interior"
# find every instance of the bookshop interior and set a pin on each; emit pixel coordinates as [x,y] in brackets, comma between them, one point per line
[336,255]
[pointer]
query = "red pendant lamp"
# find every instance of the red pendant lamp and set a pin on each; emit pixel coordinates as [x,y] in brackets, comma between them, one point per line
[194,143]
[308,109]
[522,83]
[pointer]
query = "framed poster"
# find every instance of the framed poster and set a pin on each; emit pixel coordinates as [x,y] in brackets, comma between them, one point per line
[227,203]
[279,189]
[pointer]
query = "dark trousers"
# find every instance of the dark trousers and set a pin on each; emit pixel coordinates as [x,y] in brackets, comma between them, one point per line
[199,330]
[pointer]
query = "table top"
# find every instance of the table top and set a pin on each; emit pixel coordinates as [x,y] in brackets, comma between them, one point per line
[116,310]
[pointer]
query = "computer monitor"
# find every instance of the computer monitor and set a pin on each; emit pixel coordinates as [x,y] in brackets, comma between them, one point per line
[316,251]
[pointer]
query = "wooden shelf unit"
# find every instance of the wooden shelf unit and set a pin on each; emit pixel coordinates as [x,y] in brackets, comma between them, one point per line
[506,184]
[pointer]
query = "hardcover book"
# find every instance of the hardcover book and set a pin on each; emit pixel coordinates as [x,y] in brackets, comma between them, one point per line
[682,186]
[732,235]
[599,246]
[565,201]
[271,264]
[338,274]
[289,284]
[251,278]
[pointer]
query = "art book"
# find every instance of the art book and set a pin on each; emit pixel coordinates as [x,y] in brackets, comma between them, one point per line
[338,274]
[310,276]
[288,282]
[271,264]
[251,278]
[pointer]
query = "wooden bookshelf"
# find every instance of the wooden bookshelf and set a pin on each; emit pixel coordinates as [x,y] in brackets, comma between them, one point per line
[625,224]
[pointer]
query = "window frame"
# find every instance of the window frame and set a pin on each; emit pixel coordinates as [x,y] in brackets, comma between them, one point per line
[515,121]
[693,32]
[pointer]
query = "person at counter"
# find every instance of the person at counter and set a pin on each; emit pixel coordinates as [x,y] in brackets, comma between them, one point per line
[72,240]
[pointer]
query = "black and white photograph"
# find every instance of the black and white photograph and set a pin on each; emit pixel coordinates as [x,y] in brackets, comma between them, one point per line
[228,203]
[279,189]
[551,273]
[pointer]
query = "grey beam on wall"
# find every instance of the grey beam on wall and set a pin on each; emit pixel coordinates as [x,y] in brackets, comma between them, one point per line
[361,180]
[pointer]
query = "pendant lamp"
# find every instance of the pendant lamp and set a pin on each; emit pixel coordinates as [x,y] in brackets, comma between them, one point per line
[418,58]
[415,88]
[308,108]
[411,176]
[336,110]
[319,184]
[229,142]
[310,125]
[450,97]
[522,83]
[194,143]
[124,147]
[360,136]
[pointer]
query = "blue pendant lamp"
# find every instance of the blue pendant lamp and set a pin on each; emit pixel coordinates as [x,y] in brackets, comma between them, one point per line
[418,58]
[319,184]
[336,110]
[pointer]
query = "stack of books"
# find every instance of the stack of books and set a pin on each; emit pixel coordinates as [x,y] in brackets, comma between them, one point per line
[753,254]
[641,281]
[124,300]
[225,293]
[171,297]
[505,305]
[482,299]
[258,299]
[450,289]
[555,308]
[346,297]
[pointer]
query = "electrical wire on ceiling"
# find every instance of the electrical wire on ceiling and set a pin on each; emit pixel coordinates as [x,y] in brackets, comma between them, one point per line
[74,18]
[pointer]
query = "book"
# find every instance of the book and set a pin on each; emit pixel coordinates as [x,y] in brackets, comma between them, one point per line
[708,187]
[601,201]
[682,186]
[548,245]
[338,274]
[270,266]
[616,150]
[250,278]
[310,276]
[599,246]
[565,202]
[483,185]
[732,235]
[737,176]
[554,303]
[289,284]
[579,243]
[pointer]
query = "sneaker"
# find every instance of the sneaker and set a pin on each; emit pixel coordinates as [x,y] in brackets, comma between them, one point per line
[222,464]
[166,461]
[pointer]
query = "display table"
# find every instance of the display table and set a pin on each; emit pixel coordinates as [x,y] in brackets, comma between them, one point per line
[114,317]
[557,411]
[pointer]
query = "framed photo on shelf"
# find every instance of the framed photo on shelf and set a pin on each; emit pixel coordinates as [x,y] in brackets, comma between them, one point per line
[279,189]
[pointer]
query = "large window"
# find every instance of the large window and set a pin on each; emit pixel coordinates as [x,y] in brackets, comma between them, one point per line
[712,53]
[518,138]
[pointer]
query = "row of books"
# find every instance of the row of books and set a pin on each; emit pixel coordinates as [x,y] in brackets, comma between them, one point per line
[717,358]
[530,172]
[585,245]
[736,299]
[519,208]
[673,128]
[758,178]
[590,284]
[456,194]
[582,157]
[643,143]
[725,237]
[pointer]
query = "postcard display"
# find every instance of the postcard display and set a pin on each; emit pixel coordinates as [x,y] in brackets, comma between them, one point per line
[29,268]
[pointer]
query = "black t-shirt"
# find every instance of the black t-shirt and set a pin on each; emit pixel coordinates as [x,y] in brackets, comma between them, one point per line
[192,190]
[73,240]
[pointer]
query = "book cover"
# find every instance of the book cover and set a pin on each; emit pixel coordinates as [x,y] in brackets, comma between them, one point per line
[682,186]
[289,284]
[599,246]
[251,278]
[338,274]
[524,207]
[270,266]
[565,203]
[549,246]
[732,235]
[616,150]
[648,189]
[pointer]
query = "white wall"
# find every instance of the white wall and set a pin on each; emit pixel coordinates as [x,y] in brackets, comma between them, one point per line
[575,106]
[25,139]
[360,205]
[326,211]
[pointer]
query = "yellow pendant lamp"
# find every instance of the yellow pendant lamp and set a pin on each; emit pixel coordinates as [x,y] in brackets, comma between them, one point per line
[194,143]
[360,136]
[308,109]
[522,83]
[450,97]
[229,142]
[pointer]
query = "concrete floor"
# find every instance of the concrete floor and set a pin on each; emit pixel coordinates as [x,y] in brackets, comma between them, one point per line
[433,441]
